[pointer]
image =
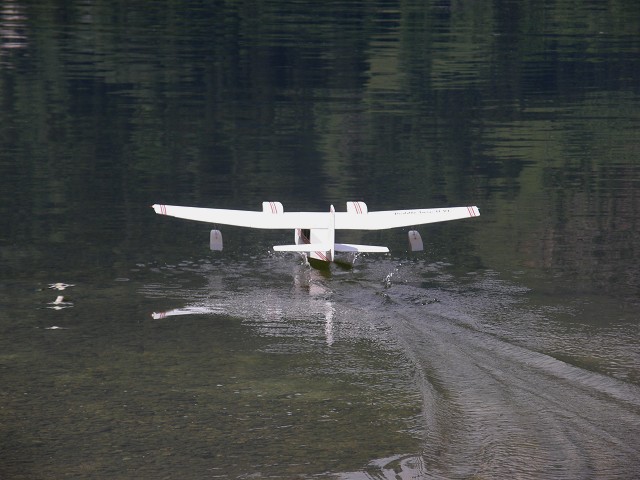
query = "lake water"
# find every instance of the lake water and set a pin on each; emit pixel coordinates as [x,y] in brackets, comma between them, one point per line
[507,349]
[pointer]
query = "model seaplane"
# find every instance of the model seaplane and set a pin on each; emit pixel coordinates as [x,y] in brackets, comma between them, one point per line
[315,231]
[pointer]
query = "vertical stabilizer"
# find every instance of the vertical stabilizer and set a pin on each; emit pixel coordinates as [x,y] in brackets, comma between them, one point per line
[331,237]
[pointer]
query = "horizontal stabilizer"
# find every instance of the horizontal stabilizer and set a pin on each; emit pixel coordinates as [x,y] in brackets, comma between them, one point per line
[350,247]
[303,247]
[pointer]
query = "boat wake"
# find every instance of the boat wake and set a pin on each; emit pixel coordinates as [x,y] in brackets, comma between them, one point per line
[493,405]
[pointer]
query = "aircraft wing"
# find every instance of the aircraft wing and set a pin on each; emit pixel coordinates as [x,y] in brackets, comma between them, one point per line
[402,218]
[247,218]
[309,220]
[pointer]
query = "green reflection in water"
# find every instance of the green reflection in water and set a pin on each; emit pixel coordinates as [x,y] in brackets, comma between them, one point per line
[113,391]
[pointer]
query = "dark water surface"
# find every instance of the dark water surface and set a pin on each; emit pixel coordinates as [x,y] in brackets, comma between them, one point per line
[508,349]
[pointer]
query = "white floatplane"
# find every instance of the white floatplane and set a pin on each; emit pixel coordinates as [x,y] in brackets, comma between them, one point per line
[315,231]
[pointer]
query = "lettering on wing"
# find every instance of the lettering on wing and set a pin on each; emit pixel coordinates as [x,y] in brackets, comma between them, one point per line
[418,212]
